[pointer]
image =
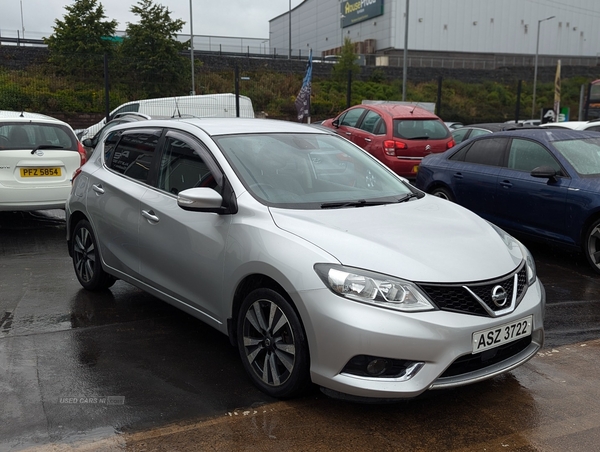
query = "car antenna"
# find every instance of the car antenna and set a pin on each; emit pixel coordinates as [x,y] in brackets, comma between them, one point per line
[416,105]
[176,108]
[22,115]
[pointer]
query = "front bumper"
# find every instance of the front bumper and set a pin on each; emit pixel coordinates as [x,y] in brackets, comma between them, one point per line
[339,329]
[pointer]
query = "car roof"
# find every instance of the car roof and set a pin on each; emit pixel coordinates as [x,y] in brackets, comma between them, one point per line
[548,134]
[491,126]
[232,126]
[25,116]
[397,111]
[566,124]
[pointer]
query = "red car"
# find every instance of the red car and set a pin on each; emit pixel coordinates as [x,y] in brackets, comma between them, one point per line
[398,135]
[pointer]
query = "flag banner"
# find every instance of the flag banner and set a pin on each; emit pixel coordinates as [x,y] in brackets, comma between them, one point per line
[557,92]
[303,100]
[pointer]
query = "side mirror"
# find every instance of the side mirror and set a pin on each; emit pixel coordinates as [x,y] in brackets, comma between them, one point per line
[88,143]
[336,123]
[544,172]
[200,199]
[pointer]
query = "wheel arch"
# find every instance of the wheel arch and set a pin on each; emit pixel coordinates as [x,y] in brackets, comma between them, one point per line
[74,218]
[593,217]
[245,287]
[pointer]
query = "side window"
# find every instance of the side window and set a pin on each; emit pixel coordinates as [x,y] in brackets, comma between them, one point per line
[486,152]
[594,128]
[479,132]
[125,108]
[133,153]
[183,165]
[370,122]
[351,117]
[526,155]
[459,135]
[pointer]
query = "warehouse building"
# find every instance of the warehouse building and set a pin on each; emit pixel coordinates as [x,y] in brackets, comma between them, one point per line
[380,28]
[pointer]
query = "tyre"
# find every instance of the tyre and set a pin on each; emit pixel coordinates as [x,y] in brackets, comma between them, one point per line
[591,245]
[86,259]
[443,193]
[272,344]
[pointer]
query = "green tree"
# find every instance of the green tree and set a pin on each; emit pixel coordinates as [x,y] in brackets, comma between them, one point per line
[79,42]
[152,53]
[346,63]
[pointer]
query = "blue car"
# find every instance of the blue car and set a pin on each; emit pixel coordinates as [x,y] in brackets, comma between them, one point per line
[542,183]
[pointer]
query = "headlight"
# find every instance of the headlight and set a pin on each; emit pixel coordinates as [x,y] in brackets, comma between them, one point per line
[373,288]
[529,263]
[512,244]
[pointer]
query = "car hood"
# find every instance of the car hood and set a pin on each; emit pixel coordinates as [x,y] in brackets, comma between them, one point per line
[424,240]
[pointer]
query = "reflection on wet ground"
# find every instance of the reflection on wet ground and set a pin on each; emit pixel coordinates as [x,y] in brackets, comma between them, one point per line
[121,370]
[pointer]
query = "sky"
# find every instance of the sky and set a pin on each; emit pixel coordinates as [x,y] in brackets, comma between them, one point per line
[235,18]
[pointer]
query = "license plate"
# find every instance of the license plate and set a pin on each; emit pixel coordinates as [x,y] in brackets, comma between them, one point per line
[40,172]
[503,334]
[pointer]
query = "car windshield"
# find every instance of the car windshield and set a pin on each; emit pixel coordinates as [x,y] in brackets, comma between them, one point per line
[584,155]
[420,129]
[310,171]
[19,135]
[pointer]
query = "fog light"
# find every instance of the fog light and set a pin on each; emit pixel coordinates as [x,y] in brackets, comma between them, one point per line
[368,366]
[377,367]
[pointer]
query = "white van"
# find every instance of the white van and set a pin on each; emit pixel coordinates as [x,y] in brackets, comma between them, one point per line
[202,106]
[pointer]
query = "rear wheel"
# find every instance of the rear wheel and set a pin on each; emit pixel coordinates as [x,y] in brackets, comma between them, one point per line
[86,259]
[272,345]
[591,245]
[443,193]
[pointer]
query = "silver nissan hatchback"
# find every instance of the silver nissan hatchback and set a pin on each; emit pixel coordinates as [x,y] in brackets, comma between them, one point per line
[318,262]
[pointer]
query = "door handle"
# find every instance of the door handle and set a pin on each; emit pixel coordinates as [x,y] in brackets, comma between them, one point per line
[458,175]
[506,184]
[348,133]
[150,216]
[368,140]
[98,189]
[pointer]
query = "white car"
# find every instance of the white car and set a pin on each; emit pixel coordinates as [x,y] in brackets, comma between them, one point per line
[317,261]
[38,157]
[593,125]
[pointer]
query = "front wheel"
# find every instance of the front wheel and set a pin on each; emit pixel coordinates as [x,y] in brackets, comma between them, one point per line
[443,193]
[272,344]
[86,259]
[591,245]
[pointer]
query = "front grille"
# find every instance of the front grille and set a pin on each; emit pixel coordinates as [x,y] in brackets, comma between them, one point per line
[471,363]
[474,298]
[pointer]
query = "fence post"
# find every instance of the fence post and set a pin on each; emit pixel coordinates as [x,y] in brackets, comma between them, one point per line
[237,91]
[349,90]
[518,106]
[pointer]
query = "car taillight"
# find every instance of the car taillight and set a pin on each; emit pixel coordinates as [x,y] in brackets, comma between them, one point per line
[450,144]
[390,146]
[75,174]
[82,154]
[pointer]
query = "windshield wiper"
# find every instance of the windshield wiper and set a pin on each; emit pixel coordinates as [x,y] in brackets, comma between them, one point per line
[45,146]
[408,197]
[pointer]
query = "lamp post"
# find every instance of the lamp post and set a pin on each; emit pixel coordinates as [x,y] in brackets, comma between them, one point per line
[290,30]
[22,25]
[404,63]
[192,49]
[537,48]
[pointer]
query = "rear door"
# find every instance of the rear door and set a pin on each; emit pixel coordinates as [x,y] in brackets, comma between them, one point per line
[370,133]
[474,172]
[113,197]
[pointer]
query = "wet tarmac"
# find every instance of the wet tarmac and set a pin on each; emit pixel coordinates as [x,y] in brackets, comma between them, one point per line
[122,370]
